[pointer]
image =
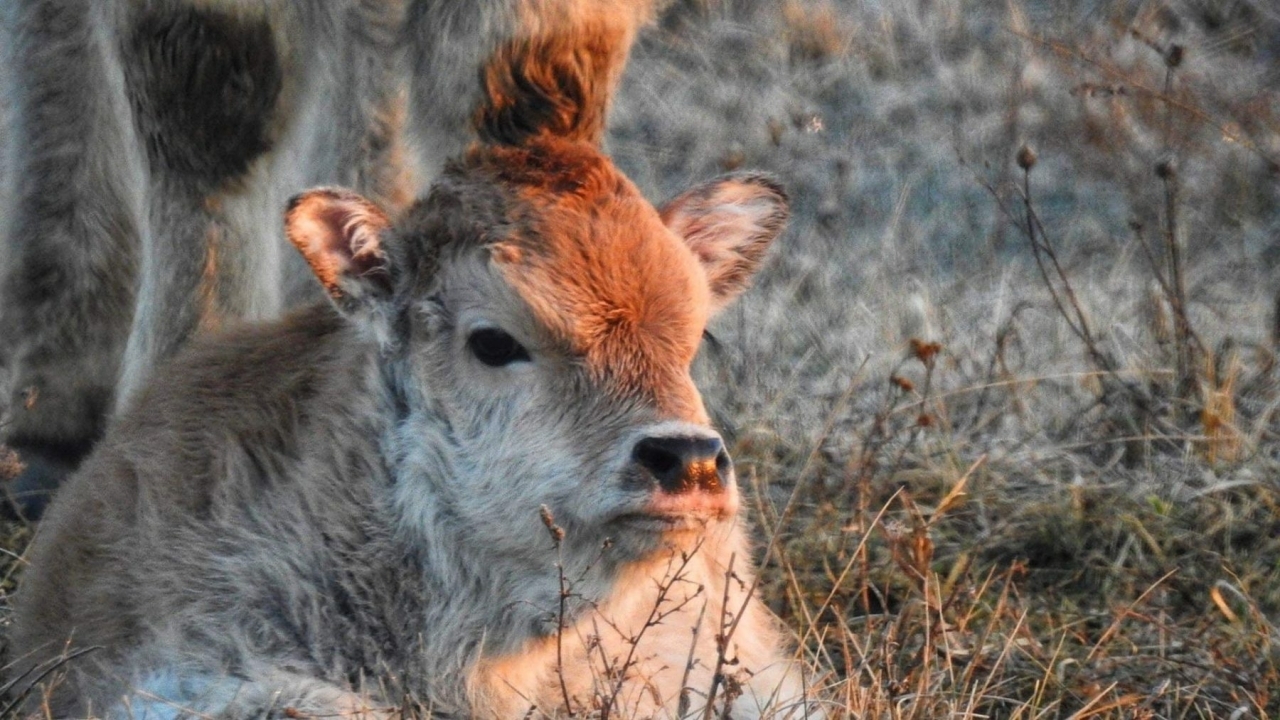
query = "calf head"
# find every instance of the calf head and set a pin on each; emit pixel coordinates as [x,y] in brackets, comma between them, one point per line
[536,321]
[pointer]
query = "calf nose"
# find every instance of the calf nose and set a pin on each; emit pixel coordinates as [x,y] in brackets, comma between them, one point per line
[684,464]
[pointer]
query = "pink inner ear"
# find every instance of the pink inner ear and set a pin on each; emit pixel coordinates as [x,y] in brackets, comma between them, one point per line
[729,225]
[338,233]
[727,215]
[724,230]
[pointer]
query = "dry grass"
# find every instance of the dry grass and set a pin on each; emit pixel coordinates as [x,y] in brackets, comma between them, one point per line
[989,487]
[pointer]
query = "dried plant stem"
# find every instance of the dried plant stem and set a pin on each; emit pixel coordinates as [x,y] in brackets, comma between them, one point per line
[1175,299]
[1114,73]
[1046,258]
[682,707]
[53,666]
[1188,344]
[557,539]
[1185,339]
[723,635]
[866,463]
[1120,617]
[1007,330]
[564,596]
[1042,249]
[844,573]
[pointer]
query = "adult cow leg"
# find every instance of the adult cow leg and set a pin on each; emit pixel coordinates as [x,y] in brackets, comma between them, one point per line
[68,243]
[205,86]
[315,108]
[347,130]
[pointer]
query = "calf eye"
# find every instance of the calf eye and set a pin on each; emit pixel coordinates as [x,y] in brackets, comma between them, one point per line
[496,348]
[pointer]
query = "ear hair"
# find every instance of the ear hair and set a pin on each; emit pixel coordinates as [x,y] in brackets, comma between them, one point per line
[339,233]
[729,223]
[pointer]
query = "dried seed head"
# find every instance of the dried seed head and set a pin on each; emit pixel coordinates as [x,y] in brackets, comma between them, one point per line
[924,420]
[925,352]
[557,532]
[1174,56]
[1167,169]
[902,383]
[1026,157]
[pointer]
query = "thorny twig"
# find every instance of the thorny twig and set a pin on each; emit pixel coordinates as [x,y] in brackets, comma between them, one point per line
[682,707]
[656,616]
[723,635]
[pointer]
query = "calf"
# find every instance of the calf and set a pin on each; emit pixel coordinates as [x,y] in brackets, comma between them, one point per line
[479,481]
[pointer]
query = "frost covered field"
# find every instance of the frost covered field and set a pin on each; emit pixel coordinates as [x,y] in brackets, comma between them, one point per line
[1007,398]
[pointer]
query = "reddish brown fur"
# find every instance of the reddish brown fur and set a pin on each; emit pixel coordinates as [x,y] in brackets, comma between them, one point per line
[583,280]
[557,83]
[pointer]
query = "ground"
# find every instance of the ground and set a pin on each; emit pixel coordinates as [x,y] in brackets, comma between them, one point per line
[1006,397]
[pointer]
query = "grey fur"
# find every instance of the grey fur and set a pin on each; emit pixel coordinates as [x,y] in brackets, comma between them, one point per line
[153,141]
[69,240]
[340,510]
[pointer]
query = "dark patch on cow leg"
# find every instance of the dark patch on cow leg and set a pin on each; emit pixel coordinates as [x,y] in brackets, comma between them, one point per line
[46,466]
[29,494]
[203,85]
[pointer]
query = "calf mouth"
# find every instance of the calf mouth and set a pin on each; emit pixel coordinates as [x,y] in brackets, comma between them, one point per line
[678,513]
[664,524]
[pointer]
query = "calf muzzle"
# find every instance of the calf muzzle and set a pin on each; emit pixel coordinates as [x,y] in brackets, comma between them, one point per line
[683,464]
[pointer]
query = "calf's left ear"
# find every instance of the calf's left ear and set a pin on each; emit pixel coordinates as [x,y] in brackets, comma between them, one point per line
[729,223]
[341,236]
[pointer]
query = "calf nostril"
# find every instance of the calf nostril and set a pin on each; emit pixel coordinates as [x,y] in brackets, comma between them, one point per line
[724,465]
[662,462]
[723,462]
[682,464]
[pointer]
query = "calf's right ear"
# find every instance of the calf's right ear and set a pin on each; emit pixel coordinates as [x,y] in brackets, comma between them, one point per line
[341,236]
